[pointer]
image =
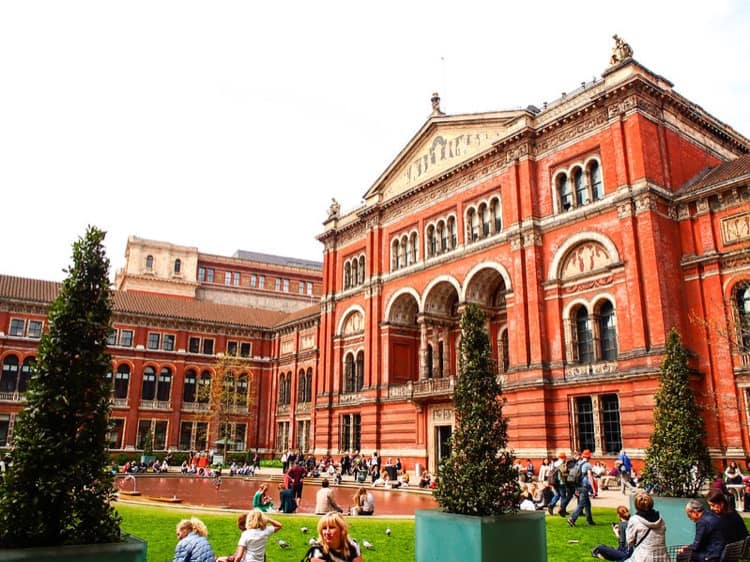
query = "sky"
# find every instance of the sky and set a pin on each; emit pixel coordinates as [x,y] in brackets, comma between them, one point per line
[230,125]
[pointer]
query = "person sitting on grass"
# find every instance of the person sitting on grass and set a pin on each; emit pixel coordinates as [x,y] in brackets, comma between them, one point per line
[334,544]
[623,551]
[261,500]
[192,545]
[252,543]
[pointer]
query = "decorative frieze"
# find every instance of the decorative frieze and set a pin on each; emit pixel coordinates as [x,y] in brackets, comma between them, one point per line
[735,229]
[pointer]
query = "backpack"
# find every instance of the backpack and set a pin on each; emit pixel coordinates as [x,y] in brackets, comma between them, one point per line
[574,474]
[553,475]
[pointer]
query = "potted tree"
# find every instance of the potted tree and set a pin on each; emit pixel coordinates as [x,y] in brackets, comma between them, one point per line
[677,463]
[58,491]
[477,487]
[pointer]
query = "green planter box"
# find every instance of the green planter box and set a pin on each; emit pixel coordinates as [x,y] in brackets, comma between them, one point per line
[441,536]
[680,529]
[132,549]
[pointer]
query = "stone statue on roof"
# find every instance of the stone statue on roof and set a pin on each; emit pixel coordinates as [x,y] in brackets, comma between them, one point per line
[334,210]
[620,51]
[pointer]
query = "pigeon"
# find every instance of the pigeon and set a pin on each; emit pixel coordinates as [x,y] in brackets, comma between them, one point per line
[283,544]
[304,530]
[367,545]
[388,532]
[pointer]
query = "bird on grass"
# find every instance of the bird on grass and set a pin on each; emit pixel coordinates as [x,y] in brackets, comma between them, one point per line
[312,542]
[388,532]
[283,543]
[367,545]
[304,530]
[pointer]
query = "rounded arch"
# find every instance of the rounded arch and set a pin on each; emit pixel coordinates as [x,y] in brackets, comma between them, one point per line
[598,300]
[398,305]
[576,239]
[482,266]
[440,289]
[345,316]
[573,306]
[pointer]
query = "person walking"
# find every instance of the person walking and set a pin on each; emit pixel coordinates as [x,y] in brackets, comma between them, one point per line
[585,480]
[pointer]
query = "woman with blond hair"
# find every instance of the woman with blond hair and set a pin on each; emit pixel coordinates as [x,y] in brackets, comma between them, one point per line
[334,544]
[252,544]
[364,502]
[192,545]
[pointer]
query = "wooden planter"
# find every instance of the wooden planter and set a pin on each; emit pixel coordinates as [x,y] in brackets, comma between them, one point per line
[441,536]
[132,549]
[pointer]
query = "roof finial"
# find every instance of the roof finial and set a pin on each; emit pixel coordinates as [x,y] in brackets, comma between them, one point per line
[620,51]
[435,99]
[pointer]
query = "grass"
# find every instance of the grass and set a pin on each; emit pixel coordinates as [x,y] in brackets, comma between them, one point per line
[156,525]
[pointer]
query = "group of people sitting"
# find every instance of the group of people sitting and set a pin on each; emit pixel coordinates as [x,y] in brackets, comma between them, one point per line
[332,544]
[642,536]
[135,467]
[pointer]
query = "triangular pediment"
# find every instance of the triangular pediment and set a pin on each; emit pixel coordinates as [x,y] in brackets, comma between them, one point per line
[443,143]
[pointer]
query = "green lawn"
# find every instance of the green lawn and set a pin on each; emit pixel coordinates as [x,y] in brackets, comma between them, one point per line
[157,526]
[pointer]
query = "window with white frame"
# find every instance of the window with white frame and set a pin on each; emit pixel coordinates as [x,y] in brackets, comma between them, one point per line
[484,219]
[593,333]
[35,329]
[126,338]
[354,272]
[596,421]
[577,185]
[17,327]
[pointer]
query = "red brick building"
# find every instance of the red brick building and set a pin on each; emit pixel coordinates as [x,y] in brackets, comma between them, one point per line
[586,229]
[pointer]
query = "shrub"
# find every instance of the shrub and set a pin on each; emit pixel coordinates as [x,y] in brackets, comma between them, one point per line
[478,477]
[677,460]
[59,489]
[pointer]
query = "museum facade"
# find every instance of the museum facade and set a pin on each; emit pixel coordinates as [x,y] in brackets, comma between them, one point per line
[586,229]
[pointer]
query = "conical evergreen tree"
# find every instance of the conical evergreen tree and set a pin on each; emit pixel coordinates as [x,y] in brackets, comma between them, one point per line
[58,489]
[478,477]
[677,462]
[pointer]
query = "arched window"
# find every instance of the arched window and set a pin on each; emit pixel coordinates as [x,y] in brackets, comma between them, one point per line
[177,266]
[404,251]
[743,316]
[308,391]
[580,187]
[503,359]
[288,388]
[359,382]
[429,361]
[282,390]
[584,337]
[441,351]
[242,388]
[595,179]
[496,215]
[347,275]
[9,380]
[413,245]
[484,214]
[188,389]
[301,386]
[148,388]
[564,193]
[122,382]
[607,332]
[204,387]
[349,373]
[149,262]
[229,389]
[26,370]
[394,255]
[361,275]
[472,220]
[431,241]
[452,232]
[443,236]
[165,385]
